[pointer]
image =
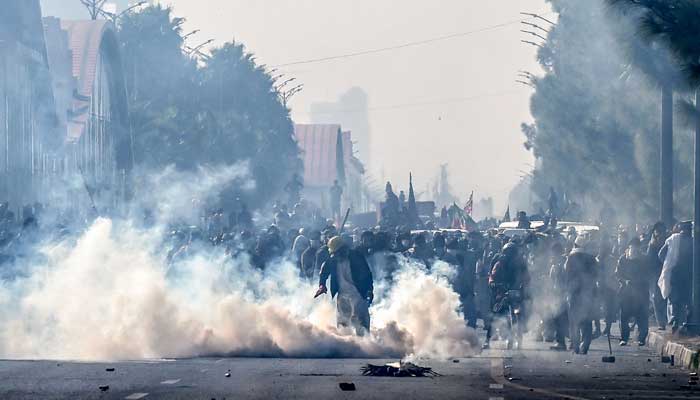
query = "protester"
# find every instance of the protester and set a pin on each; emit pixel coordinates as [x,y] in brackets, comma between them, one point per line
[658,238]
[567,278]
[580,273]
[351,285]
[509,273]
[675,281]
[634,277]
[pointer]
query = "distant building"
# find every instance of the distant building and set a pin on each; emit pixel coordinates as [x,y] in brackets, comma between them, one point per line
[64,126]
[319,146]
[91,98]
[483,209]
[351,111]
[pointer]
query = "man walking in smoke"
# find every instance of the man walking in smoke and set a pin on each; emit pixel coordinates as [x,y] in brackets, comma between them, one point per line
[508,275]
[580,273]
[659,235]
[634,277]
[676,276]
[351,285]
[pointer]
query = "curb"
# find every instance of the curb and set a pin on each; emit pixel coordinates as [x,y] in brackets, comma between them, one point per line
[684,356]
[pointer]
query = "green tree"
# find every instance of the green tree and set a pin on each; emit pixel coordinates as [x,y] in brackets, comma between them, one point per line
[219,110]
[249,121]
[595,134]
[675,24]
[161,81]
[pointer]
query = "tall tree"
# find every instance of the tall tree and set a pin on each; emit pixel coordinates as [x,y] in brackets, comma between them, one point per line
[216,111]
[656,62]
[674,23]
[596,116]
[248,120]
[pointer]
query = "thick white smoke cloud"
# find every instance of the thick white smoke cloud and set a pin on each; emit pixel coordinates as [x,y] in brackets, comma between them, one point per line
[111,294]
[179,196]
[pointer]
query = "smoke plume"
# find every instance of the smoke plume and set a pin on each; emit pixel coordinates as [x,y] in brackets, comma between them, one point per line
[111,293]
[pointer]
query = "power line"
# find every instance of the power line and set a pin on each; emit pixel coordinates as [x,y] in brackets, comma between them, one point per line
[418,104]
[402,46]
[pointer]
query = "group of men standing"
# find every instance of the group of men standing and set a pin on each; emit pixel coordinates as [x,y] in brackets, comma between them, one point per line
[569,283]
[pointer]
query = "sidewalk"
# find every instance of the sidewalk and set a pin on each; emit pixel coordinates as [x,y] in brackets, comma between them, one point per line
[685,350]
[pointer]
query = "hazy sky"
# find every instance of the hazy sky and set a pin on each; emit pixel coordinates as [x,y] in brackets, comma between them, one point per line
[476,108]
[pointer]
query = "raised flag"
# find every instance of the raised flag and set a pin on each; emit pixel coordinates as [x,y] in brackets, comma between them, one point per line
[469,208]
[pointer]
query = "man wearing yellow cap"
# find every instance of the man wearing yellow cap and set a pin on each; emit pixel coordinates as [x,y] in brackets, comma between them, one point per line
[351,285]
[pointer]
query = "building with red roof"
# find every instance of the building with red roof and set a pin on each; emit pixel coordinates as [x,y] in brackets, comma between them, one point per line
[65,127]
[327,152]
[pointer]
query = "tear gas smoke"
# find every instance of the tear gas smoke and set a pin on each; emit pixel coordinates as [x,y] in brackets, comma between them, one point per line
[179,196]
[112,294]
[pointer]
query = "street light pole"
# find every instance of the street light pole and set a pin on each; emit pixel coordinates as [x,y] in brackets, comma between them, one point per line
[695,310]
[94,7]
[666,185]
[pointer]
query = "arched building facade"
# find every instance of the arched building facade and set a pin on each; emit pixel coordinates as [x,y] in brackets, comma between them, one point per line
[98,143]
[64,131]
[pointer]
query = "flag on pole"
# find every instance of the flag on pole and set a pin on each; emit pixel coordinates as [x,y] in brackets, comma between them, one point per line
[506,217]
[469,208]
[460,219]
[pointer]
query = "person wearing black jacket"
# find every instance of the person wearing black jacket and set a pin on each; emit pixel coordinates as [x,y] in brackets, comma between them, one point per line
[634,276]
[351,285]
[509,272]
[658,238]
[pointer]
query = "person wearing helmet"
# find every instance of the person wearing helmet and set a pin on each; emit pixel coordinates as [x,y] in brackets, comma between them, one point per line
[509,272]
[308,257]
[464,262]
[351,285]
[523,220]
[559,319]
[269,247]
[580,276]
[421,251]
[323,254]
[383,261]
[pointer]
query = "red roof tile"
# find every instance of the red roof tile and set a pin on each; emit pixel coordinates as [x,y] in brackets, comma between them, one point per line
[85,40]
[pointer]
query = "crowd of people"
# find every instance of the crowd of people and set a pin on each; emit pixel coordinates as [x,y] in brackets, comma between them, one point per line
[553,283]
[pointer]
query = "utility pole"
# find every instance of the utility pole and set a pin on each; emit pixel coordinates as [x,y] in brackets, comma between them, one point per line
[666,184]
[94,7]
[286,94]
[695,310]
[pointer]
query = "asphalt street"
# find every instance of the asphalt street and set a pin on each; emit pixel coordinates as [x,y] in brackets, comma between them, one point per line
[534,372]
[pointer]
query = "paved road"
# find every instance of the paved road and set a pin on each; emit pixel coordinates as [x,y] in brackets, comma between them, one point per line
[536,372]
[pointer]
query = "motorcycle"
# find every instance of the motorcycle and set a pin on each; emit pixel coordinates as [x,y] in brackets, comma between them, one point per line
[510,303]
